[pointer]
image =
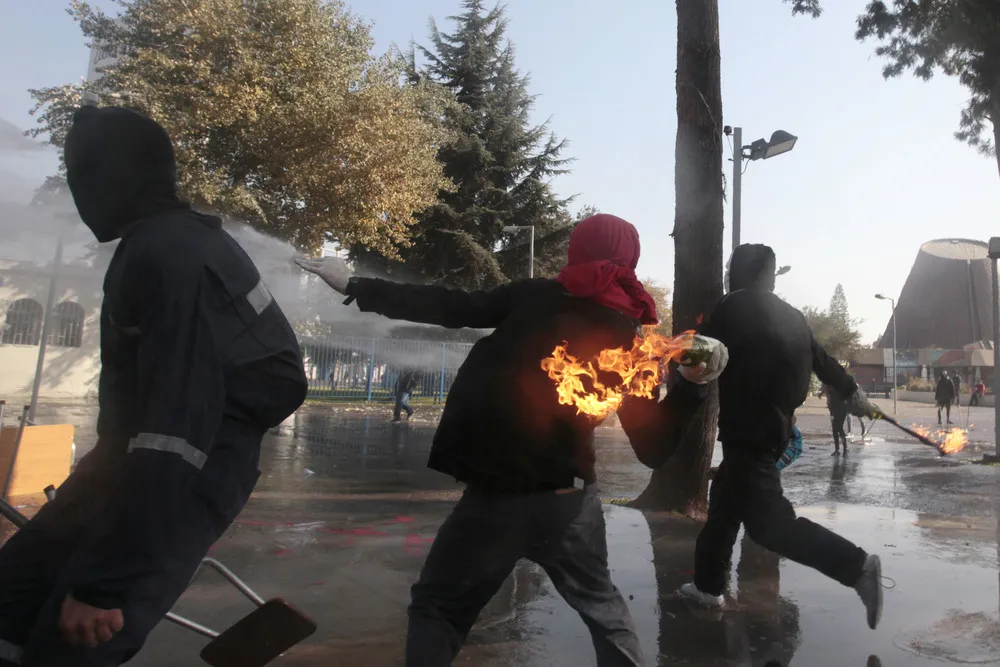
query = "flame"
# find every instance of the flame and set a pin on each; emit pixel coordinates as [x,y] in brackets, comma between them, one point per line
[950,441]
[955,441]
[578,383]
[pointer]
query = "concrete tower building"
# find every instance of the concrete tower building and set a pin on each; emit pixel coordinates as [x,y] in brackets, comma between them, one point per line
[946,300]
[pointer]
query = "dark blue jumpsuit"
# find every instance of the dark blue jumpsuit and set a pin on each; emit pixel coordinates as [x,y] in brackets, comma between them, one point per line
[197,363]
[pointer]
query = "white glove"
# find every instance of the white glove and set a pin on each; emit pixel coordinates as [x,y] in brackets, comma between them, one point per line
[710,368]
[333,270]
[859,405]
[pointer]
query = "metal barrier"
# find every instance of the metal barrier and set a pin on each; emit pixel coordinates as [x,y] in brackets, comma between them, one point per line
[354,368]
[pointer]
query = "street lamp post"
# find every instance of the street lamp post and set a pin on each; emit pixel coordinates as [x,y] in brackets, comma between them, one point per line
[895,375]
[762,149]
[46,329]
[514,229]
[994,253]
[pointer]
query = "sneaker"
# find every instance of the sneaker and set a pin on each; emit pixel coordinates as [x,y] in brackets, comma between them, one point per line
[869,589]
[836,452]
[691,592]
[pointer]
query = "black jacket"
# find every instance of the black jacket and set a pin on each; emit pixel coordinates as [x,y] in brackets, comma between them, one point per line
[503,428]
[944,392]
[772,355]
[407,382]
[197,360]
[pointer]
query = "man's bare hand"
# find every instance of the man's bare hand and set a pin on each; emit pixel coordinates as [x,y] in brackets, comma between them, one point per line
[83,625]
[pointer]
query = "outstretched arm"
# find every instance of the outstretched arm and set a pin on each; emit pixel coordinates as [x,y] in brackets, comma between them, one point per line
[655,430]
[830,372]
[428,304]
[433,304]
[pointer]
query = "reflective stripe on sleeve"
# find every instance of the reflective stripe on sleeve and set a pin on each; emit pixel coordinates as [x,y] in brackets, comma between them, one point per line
[259,297]
[10,652]
[169,444]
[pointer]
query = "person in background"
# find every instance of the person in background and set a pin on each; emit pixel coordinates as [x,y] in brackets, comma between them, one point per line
[405,384]
[839,413]
[528,461]
[197,363]
[773,355]
[944,395]
[978,391]
[956,379]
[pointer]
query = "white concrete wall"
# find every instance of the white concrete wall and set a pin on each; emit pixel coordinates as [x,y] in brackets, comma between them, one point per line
[68,372]
[928,397]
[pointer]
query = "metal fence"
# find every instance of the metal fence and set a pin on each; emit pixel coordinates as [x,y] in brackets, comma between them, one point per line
[353,368]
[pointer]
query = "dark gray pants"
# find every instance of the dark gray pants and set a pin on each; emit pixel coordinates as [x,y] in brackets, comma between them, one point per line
[747,490]
[478,546]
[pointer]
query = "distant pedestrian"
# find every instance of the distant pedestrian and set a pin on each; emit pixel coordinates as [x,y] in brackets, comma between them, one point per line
[839,410]
[956,380]
[405,385]
[944,394]
[977,393]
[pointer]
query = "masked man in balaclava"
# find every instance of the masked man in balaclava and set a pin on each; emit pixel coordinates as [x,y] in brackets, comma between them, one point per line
[197,363]
[772,354]
[527,460]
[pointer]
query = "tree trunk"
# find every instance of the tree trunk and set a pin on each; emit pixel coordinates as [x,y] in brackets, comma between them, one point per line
[996,136]
[682,484]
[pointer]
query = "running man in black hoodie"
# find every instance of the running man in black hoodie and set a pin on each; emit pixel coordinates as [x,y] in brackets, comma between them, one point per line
[772,354]
[197,363]
[527,461]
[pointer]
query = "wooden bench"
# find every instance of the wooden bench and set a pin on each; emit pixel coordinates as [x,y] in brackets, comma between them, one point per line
[44,457]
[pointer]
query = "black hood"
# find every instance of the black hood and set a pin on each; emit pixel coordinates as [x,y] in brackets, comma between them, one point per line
[120,168]
[752,266]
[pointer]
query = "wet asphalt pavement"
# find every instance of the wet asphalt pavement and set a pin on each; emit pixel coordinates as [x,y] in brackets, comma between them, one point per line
[345,510]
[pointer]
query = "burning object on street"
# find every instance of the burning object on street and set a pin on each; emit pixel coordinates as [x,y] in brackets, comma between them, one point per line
[949,441]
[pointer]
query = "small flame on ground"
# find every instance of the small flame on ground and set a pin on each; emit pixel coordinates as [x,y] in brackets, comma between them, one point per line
[638,372]
[950,441]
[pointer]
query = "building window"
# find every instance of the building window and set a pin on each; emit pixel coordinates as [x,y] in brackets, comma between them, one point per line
[67,327]
[23,325]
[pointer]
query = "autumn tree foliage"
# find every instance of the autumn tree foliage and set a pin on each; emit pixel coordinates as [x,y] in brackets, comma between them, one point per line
[281,114]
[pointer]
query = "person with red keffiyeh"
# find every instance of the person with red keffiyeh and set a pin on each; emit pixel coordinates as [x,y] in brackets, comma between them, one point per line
[527,461]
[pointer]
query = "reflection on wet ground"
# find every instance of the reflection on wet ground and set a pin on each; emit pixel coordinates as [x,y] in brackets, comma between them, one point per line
[346,509]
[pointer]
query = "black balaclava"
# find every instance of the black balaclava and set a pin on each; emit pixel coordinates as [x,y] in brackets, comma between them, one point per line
[120,168]
[752,266]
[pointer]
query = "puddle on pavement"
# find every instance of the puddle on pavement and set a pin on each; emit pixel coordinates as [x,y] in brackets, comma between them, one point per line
[968,639]
[328,476]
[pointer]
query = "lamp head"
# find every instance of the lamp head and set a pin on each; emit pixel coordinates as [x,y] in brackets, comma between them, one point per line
[994,249]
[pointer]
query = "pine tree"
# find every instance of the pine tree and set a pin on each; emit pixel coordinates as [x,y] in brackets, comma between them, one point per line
[500,163]
[838,306]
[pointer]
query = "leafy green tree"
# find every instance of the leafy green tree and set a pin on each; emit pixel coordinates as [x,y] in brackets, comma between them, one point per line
[834,328]
[661,295]
[500,163]
[280,113]
[808,7]
[960,38]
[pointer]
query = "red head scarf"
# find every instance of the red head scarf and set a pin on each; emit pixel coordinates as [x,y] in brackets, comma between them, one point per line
[603,254]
